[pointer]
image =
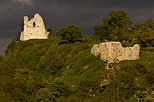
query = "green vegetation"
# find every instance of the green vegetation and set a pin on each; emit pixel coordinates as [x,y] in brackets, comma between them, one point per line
[115,27]
[62,69]
[70,33]
[119,27]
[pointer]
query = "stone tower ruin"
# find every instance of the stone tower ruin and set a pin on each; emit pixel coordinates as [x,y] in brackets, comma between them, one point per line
[33,29]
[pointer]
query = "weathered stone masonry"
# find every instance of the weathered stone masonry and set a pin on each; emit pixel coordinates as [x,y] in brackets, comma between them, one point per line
[113,52]
[34,29]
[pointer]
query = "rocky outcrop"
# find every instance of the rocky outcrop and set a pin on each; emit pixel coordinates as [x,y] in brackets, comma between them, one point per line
[113,52]
[33,29]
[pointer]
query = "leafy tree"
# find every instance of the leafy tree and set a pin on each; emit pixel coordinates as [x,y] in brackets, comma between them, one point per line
[143,36]
[102,32]
[144,33]
[115,27]
[70,33]
[118,18]
[149,22]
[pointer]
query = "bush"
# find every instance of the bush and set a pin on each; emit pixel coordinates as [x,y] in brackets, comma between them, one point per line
[122,87]
[89,88]
[59,88]
[70,33]
[51,62]
[44,95]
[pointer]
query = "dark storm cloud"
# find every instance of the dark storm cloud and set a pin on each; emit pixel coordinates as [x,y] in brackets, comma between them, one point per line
[101,3]
[61,12]
[83,13]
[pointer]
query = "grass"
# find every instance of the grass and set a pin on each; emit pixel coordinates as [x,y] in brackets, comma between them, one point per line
[77,65]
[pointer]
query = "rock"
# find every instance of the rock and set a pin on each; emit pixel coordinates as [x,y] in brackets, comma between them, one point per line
[113,52]
[34,29]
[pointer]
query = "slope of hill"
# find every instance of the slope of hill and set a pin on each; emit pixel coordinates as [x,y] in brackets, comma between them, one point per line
[47,70]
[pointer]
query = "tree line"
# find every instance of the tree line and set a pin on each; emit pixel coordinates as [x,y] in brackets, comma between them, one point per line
[118,26]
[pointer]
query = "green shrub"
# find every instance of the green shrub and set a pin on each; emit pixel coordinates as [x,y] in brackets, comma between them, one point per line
[70,33]
[122,87]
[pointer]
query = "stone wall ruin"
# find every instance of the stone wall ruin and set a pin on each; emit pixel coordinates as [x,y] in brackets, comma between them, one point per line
[33,29]
[113,52]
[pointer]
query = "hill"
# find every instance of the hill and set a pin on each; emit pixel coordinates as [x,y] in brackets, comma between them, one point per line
[50,70]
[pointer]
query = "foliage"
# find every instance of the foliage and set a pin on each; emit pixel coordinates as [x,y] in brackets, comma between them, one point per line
[89,88]
[115,27]
[1,58]
[51,61]
[70,33]
[44,95]
[143,36]
[118,27]
[149,22]
[123,87]
[144,33]
[119,18]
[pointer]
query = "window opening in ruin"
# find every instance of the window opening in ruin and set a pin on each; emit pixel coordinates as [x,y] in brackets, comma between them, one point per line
[34,24]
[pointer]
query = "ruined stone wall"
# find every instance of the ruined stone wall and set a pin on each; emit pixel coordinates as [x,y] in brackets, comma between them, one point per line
[34,29]
[113,52]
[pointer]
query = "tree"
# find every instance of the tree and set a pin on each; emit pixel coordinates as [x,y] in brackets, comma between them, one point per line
[149,22]
[118,18]
[115,27]
[144,33]
[70,33]
[143,36]
[102,32]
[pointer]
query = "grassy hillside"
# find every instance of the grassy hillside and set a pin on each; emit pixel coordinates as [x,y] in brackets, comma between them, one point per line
[47,70]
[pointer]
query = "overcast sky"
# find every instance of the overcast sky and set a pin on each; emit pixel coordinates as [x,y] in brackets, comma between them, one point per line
[58,13]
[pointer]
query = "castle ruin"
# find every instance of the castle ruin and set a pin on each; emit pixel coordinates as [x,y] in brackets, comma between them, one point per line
[113,52]
[33,29]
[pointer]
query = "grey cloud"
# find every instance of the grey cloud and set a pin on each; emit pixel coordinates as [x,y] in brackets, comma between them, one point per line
[101,3]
